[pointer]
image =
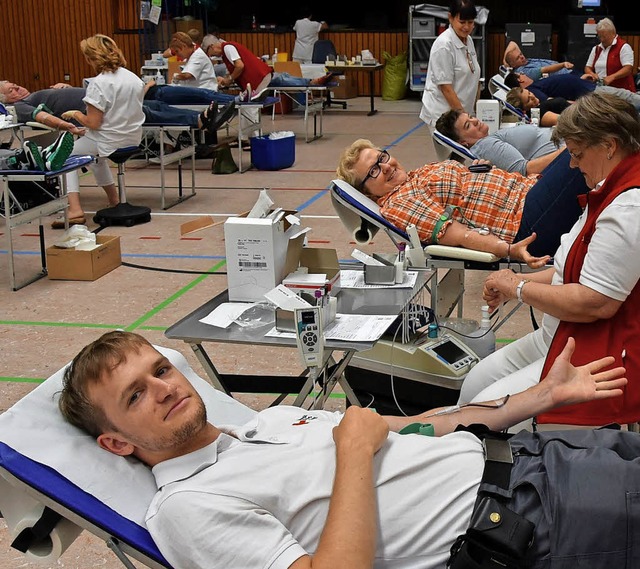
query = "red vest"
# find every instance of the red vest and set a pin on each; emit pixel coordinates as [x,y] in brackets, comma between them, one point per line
[255,70]
[618,336]
[614,64]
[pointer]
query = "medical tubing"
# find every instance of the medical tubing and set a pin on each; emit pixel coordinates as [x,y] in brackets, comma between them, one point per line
[162,270]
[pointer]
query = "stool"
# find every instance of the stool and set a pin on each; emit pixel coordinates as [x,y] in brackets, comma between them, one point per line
[124,213]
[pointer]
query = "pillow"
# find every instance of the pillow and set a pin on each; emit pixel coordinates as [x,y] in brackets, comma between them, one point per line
[35,428]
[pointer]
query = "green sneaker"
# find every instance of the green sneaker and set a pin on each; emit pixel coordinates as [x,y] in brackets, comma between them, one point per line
[56,154]
[34,157]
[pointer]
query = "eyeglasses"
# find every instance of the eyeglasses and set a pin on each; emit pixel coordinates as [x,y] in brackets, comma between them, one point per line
[470,61]
[576,155]
[375,170]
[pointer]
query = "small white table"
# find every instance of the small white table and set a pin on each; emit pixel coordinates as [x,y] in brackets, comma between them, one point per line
[22,216]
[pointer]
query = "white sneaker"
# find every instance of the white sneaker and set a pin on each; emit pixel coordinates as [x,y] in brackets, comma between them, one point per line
[245,96]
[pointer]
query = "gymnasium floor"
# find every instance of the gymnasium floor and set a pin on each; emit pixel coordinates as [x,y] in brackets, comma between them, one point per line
[43,325]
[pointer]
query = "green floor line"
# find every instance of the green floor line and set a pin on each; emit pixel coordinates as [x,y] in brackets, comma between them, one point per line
[171,299]
[60,324]
[313,394]
[22,379]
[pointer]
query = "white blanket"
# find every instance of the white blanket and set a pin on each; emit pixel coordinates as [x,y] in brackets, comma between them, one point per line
[35,428]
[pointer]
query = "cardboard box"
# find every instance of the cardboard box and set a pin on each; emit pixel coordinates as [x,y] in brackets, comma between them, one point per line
[72,265]
[260,253]
[347,87]
[319,260]
[181,25]
[175,66]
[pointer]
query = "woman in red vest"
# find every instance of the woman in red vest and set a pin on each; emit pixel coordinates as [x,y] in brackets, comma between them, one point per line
[592,292]
[611,61]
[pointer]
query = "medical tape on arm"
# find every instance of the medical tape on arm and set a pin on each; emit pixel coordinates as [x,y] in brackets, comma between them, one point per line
[444,218]
[41,108]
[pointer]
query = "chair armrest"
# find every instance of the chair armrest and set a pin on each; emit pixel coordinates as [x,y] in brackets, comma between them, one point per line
[460,253]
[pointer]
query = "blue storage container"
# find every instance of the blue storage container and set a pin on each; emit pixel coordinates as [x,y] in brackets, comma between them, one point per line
[273,153]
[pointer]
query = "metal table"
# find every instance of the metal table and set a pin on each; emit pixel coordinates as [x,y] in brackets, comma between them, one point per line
[370,69]
[350,301]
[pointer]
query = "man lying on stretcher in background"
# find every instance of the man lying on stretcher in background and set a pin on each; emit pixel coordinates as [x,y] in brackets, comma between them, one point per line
[47,106]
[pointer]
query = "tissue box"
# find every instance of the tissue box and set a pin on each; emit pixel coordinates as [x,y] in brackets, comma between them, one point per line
[260,253]
[72,265]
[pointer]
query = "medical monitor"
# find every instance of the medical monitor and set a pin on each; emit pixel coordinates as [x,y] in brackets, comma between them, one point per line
[582,6]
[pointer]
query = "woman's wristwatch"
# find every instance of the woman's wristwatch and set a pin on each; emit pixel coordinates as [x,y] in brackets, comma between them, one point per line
[519,289]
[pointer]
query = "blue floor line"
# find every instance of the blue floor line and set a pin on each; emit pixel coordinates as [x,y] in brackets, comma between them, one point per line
[301,207]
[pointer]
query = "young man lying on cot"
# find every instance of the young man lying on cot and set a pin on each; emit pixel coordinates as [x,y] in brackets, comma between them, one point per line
[297,489]
[504,213]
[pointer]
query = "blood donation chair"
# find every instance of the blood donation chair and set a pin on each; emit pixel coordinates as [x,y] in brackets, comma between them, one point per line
[56,481]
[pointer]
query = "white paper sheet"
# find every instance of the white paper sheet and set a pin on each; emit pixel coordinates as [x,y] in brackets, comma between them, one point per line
[350,328]
[355,279]
[224,315]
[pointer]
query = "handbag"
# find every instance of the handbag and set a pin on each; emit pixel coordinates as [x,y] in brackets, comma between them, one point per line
[223,162]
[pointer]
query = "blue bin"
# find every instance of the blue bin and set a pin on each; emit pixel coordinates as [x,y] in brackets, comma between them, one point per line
[273,153]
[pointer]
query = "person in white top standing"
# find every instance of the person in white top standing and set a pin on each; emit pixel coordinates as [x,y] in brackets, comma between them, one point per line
[453,76]
[307,31]
[113,118]
[197,70]
[610,62]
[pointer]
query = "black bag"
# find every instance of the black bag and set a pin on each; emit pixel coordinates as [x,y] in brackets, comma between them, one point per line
[32,194]
[497,537]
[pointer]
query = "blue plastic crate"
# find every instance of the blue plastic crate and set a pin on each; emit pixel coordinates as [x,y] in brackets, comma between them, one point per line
[273,154]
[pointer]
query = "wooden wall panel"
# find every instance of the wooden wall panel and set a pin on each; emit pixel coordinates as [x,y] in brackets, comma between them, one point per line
[42,44]
[41,40]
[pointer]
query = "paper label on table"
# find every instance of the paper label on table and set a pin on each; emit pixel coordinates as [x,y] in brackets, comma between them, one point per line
[285,298]
[350,328]
[225,314]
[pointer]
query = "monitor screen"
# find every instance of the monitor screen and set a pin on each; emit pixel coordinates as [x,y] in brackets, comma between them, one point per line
[589,3]
[449,352]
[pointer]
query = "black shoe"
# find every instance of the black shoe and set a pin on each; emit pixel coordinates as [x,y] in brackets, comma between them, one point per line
[222,116]
[208,116]
[259,96]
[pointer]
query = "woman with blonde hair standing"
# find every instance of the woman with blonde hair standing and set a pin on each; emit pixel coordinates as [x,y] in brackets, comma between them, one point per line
[113,118]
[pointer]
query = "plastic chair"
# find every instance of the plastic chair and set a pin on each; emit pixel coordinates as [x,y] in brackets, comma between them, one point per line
[124,213]
[322,50]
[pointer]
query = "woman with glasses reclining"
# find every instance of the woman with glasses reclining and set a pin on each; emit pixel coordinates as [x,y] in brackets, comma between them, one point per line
[504,213]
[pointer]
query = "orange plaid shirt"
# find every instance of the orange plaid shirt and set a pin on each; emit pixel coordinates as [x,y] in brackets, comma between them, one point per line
[493,199]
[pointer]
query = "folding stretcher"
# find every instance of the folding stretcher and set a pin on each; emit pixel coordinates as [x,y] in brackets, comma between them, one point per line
[361,216]
[313,99]
[162,133]
[501,96]
[15,215]
[249,121]
[49,467]
[445,145]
